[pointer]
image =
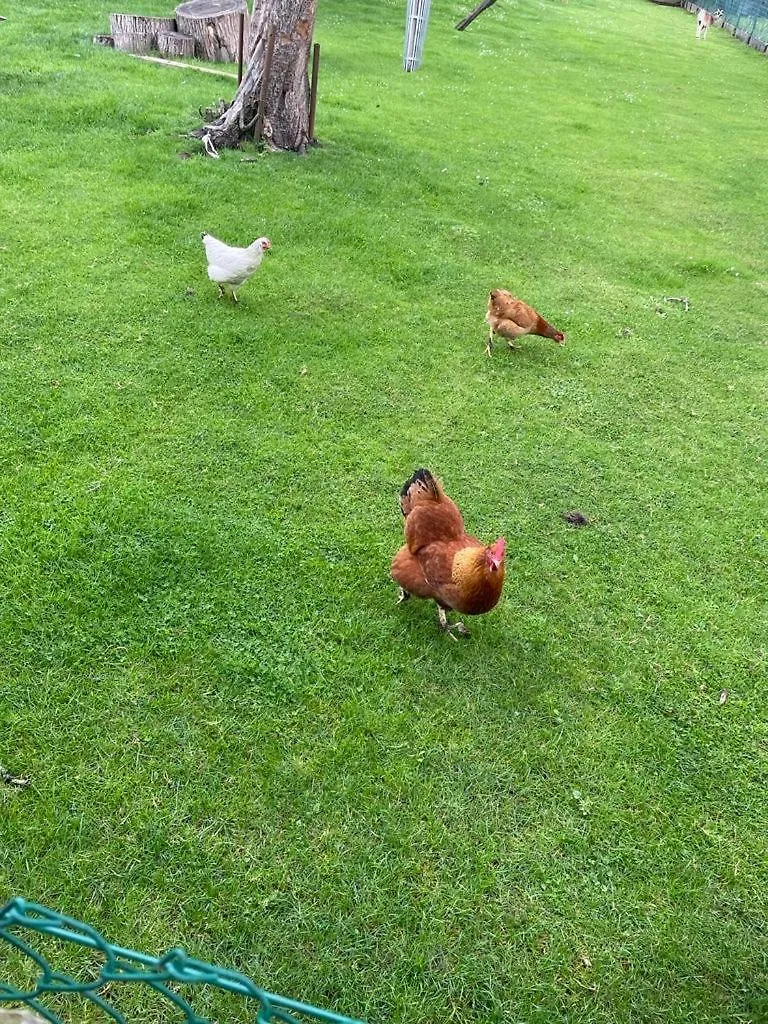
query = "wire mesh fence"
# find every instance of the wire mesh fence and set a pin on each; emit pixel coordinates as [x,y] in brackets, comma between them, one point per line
[416,20]
[66,971]
[746,19]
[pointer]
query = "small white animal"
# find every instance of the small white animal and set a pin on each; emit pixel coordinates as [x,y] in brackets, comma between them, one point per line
[229,265]
[703,20]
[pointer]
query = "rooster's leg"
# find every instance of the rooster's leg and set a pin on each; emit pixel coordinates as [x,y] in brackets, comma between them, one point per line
[402,595]
[442,619]
[222,293]
[489,346]
[234,297]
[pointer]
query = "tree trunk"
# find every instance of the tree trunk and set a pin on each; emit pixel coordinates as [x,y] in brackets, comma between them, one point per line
[285,117]
[214,25]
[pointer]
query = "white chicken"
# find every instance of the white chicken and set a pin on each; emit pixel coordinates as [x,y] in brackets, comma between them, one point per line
[229,265]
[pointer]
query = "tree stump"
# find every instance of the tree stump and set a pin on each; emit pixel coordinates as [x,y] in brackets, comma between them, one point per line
[215,27]
[174,44]
[137,34]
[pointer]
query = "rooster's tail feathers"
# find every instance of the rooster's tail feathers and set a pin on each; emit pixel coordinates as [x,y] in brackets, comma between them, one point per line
[422,486]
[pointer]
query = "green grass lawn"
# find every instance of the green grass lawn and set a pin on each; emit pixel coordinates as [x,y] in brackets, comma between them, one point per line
[237,742]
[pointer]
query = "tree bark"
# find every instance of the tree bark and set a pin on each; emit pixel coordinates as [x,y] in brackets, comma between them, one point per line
[285,117]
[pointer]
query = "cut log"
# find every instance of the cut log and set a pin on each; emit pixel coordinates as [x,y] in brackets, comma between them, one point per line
[133,42]
[174,44]
[136,33]
[215,27]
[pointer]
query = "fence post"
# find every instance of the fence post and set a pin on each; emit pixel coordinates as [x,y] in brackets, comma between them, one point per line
[240,34]
[313,90]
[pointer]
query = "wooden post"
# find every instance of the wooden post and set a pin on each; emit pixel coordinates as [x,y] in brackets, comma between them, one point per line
[240,34]
[313,91]
[258,131]
[473,14]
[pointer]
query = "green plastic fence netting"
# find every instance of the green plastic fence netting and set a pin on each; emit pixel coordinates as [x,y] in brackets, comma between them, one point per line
[750,17]
[110,970]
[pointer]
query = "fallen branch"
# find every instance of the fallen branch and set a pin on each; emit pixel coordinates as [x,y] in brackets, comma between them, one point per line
[483,6]
[181,64]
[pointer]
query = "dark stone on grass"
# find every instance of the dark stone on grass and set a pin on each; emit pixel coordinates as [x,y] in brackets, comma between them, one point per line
[9,779]
[575,518]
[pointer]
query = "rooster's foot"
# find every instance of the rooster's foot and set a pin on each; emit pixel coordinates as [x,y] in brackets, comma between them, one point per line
[445,625]
[402,595]
[512,345]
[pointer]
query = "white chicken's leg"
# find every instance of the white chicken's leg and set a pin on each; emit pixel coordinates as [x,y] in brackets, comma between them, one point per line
[234,297]
[222,293]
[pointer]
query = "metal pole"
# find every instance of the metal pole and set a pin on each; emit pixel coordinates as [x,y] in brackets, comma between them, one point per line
[240,34]
[259,129]
[313,90]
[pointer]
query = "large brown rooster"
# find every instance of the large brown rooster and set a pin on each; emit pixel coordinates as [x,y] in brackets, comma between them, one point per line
[440,560]
[512,318]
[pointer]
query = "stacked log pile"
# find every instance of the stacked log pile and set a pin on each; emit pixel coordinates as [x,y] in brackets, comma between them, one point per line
[136,33]
[208,29]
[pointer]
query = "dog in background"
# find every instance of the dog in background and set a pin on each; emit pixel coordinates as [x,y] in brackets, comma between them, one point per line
[703,20]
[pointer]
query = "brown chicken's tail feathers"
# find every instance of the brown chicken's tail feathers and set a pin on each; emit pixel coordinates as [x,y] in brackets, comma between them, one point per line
[422,486]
